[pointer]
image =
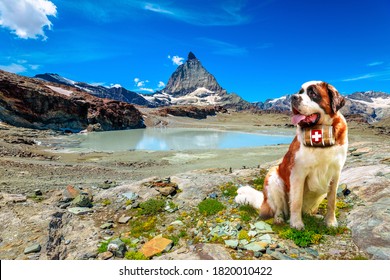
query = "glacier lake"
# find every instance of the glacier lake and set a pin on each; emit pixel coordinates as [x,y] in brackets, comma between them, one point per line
[166,139]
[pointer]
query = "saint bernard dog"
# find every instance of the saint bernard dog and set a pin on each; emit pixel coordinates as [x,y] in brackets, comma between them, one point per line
[310,170]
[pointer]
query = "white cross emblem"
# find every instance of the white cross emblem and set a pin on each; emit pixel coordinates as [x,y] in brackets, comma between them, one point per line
[316,136]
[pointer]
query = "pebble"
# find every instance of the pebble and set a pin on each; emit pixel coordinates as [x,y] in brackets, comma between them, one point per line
[280,256]
[107,226]
[38,192]
[254,246]
[263,226]
[124,219]
[64,205]
[177,223]
[117,247]
[35,248]
[82,200]
[130,195]
[105,256]
[312,252]
[80,210]
[266,238]
[233,243]
[213,195]
[18,198]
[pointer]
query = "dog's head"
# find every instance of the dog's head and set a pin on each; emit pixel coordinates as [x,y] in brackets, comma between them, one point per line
[316,103]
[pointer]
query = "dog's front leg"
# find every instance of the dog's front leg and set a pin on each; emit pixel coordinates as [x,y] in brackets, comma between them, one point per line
[330,218]
[296,200]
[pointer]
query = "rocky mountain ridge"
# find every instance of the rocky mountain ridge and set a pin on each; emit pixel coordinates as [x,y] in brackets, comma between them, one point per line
[115,92]
[32,103]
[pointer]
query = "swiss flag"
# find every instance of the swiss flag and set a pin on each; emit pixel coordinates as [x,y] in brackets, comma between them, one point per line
[316,135]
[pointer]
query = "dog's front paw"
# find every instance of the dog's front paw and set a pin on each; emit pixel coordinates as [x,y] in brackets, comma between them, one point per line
[297,225]
[331,222]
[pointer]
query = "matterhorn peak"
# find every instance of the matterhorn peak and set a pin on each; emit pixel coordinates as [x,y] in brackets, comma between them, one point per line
[191,56]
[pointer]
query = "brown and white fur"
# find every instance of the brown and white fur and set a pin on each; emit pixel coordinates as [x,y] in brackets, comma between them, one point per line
[306,175]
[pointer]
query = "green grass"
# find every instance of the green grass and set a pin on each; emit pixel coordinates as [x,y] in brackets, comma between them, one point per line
[151,206]
[314,231]
[247,212]
[103,246]
[143,226]
[210,207]
[130,255]
[229,190]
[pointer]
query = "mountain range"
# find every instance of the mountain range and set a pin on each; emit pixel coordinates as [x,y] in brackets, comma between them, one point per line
[192,84]
[371,106]
[50,101]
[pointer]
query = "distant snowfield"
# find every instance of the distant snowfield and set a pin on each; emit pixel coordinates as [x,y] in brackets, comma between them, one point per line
[200,96]
[377,102]
[61,90]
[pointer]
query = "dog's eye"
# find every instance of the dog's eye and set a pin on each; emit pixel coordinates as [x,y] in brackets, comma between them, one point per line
[312,93]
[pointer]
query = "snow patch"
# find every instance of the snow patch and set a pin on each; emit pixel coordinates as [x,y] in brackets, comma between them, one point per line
[61,90]
[378,102]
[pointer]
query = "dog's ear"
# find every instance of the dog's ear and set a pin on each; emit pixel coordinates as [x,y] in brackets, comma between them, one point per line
[336,100]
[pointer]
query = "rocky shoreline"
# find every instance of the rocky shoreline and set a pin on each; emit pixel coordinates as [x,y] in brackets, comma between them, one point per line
[111,206]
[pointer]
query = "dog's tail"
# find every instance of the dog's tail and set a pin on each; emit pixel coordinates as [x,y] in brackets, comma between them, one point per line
[255,198]
[248,195]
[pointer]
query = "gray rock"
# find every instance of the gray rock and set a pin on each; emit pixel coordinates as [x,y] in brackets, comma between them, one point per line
[130,195]
[312,252]
[124,219]
[106,225]
[263,227]
[255,247]
[35,248]
[117,247]
[177,223]
[280,256]
[38,192]
[82,200]
[266,238]
[80,210]
[232,243]
[18,198]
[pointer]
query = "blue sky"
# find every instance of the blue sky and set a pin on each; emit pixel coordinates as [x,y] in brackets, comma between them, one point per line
[257,49]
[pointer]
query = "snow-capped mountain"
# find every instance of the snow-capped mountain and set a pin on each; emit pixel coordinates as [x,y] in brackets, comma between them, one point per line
[371,105]
[192,84]
[115,92]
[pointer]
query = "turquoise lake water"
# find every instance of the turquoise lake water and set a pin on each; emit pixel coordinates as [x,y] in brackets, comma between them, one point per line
[164,139]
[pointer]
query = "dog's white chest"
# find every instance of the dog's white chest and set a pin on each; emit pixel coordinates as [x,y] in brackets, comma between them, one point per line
[319,166]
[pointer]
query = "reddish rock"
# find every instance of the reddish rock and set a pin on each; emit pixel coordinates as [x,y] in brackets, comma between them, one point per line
[155,246]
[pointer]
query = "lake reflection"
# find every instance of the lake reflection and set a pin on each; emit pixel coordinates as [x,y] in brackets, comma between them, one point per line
[171,139]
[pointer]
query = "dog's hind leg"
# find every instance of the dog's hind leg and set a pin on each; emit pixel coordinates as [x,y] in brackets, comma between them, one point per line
[275,190]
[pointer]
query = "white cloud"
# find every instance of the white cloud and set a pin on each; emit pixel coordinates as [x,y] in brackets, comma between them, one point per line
[147,89]
[157,9]
[141,84]
[375,63]
[362,77]
[27,18]
[176,60]
[136,80]
[14,68]
[161,84]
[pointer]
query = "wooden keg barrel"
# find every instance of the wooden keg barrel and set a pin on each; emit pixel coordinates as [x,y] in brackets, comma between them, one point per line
[319,136]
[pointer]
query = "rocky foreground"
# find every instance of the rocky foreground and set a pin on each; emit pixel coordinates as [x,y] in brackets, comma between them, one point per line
[190,214]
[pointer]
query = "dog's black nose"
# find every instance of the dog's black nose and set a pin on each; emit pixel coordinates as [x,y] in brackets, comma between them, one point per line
[294,97]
